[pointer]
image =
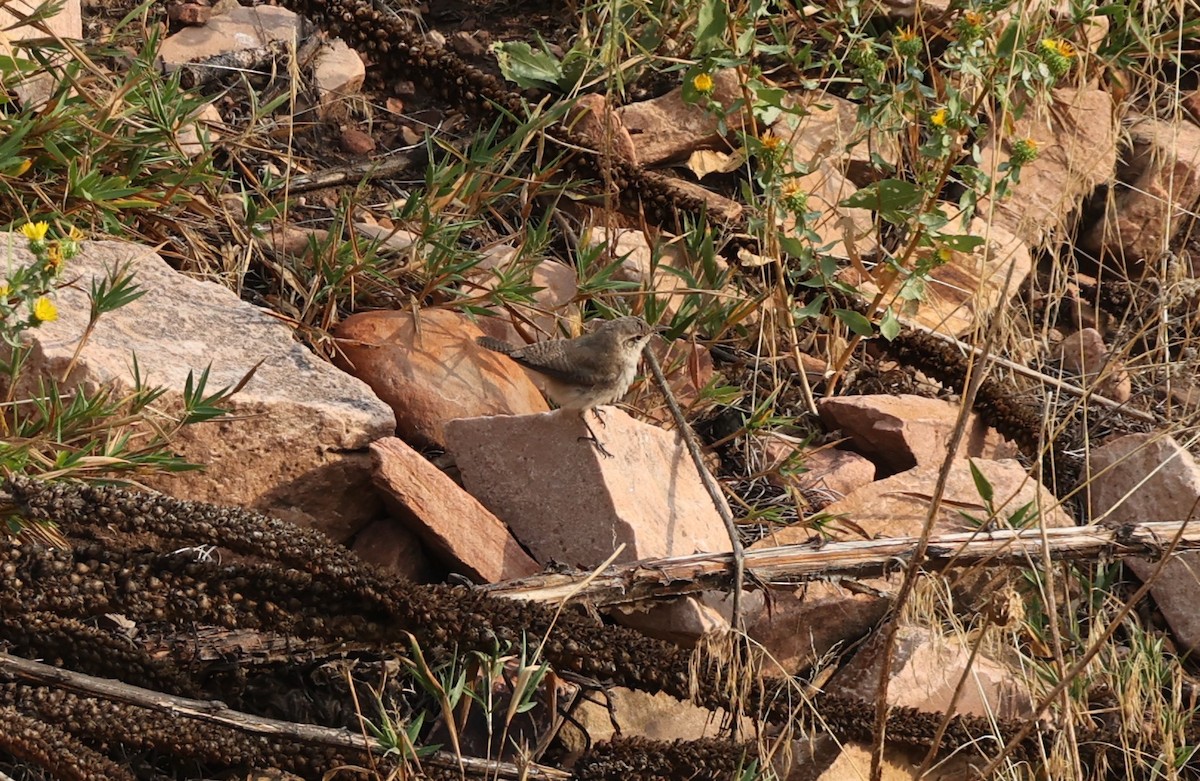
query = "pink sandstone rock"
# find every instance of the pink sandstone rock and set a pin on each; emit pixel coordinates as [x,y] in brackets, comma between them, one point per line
[1151,477]
[1159,188]
[429,370]
[905,430]
[445,517]
[387,544]
[897,506]
[666,127]
[1077,142]
[295,442]
[926,669]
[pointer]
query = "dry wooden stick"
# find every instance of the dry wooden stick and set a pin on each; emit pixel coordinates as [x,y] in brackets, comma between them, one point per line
[213,712]
[677,575]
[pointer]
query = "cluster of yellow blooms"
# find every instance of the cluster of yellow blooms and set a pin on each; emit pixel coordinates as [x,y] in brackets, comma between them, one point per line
[53,256]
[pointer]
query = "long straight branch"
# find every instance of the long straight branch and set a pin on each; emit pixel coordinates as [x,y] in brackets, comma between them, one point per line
[676,575]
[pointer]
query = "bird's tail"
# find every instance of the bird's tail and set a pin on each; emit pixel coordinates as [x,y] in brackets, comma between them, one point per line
[495,345]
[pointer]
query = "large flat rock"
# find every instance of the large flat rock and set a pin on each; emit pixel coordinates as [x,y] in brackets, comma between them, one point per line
[568,503]
[926,669]
[897,506]
[965,290]
[905,430]
[67,23]
[1159,187]
[241,28]
[667,128]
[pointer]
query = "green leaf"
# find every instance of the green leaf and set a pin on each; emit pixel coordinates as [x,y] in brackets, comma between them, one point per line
[856,322]
[889,197]
[770,96]
[574,67]
[711,23]
[986,492]
[811,309]
[528,68]
[934,219]
[199,407]
[793,246]
[1008,41]
[961,242]
[745,41]
[889,326]
[1023,516]
[114,291]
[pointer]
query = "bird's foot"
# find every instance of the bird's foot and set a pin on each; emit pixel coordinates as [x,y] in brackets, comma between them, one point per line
[599,417]
[601,449]
[592,438]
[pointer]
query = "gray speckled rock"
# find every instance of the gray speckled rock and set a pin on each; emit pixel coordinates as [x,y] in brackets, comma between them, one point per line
[295,445]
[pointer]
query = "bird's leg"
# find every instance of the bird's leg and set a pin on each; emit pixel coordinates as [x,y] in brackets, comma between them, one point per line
[599,417]
[591,437]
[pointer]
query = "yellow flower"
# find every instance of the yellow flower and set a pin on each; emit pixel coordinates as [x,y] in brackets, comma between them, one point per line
[5,291]
[1023,151]
[938,117]
[770,141]
[35,231]
[703,83]
[907,43]
[1058,46]
[793,197]
[44,310]
[70,245]
[971,26]
[54,257]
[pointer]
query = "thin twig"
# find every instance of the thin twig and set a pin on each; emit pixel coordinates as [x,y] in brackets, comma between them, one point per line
[1066,387]
[976,371]
[714,490]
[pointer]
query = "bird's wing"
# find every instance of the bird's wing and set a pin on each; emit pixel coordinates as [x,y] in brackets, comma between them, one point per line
[576,362]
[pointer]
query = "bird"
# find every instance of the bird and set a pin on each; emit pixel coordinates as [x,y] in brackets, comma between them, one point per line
[585,372]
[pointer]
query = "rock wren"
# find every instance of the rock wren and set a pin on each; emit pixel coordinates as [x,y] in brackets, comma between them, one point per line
[583,373]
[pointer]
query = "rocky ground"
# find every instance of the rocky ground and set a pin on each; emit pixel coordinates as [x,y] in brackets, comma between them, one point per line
[397,561]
